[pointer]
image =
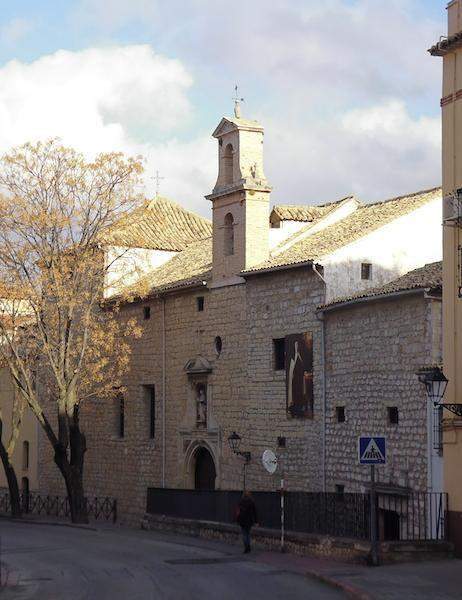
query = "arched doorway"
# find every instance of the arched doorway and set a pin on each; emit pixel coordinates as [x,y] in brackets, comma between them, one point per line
[204,470]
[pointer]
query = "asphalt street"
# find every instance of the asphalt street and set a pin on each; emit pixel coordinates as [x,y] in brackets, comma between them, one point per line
[52,562]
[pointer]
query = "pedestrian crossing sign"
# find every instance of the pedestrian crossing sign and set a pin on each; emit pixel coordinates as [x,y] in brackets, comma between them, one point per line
[372,450]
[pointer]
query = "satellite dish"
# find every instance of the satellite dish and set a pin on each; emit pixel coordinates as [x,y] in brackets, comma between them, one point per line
[270,461]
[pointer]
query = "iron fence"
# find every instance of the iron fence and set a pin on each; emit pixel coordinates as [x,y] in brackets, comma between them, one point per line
[415,516]
[58,506]
[343,515]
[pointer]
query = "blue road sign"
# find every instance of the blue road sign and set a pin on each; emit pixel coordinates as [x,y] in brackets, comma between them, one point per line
[372,450]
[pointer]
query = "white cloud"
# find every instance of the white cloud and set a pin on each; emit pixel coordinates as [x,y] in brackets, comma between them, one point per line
[103,99]
[375,152]
[345,89]
[15,30]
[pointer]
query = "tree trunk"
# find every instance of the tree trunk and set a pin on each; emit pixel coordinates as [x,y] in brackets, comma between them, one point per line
[15,500]
[72,471]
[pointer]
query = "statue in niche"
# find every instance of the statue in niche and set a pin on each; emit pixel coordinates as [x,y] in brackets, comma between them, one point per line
[201,405]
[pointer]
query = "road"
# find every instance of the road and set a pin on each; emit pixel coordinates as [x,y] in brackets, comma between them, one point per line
[52,562]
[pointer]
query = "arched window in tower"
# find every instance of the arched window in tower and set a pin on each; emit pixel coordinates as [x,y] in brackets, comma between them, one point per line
[229,235]
[228,164]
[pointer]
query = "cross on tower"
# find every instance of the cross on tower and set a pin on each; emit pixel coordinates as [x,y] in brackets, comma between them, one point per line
[158,179]
[237,103]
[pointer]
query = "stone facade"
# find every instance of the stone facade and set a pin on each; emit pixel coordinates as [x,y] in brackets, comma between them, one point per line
[374,349]
[206,361]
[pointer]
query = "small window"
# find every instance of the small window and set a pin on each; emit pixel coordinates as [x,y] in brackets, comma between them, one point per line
[438,428]
[218,345]
[147,312]
[340,489]
[393,415]
[282,442]
[150,401]
[366,271]
[279,354]
[120,415]
[200,303]
[25,455]
[340,414]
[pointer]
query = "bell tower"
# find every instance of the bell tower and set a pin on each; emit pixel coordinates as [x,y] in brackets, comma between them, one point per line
[240,200]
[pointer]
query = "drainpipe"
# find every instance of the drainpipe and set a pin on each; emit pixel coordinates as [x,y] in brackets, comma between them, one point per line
[320,316]
[163,390]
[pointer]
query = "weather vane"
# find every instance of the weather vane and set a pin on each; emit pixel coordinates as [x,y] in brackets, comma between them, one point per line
[158,179]
[237,103]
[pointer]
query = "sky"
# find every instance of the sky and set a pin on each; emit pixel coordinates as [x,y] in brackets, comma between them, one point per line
[345,89]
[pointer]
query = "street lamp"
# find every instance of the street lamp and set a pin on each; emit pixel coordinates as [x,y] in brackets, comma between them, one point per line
[234,442]
[435,385]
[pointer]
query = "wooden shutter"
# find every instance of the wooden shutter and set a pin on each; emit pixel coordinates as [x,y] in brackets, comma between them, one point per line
[299,374]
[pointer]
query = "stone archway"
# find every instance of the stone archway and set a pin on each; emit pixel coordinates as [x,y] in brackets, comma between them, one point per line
[204,470]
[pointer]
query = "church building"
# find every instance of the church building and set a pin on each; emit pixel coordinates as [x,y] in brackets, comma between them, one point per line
[233,339]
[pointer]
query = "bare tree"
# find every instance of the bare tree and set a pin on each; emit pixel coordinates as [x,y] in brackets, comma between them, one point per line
[7,447]
[56,214]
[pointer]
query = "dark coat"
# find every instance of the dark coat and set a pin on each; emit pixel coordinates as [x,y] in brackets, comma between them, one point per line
[247,513]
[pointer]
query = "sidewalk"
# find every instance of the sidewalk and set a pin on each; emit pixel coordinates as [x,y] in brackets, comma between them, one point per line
[440,580]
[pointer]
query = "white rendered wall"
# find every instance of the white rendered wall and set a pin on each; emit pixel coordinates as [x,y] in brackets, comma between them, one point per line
[129,264]
[288,228]
[406,243]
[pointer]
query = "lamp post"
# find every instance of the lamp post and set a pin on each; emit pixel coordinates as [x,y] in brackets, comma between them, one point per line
[234,442]
[435,385]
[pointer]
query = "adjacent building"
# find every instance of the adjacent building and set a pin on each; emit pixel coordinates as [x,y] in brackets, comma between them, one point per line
[450,48]
[375,343]
[233,339]
[25,456]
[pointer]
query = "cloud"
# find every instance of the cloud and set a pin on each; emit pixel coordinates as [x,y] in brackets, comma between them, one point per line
[14,31]
[376,152]
[104,99]
[345,90]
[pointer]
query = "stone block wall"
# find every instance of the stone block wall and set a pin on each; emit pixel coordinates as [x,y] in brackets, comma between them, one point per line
[245,394]
[373,351]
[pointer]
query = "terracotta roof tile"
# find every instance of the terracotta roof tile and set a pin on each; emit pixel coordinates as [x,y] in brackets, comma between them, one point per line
[429,276]
[364,220]
[191,266]
[160,224]
[305,213]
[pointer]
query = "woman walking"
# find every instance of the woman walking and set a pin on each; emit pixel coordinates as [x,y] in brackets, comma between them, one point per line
[246,517]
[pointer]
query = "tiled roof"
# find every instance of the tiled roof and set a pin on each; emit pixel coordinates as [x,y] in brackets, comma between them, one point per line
[305,213]
[428,277]
[364,220]
[160,224]
[191,266]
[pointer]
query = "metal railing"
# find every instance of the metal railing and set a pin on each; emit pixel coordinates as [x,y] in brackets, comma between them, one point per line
[58,506]
[416,516]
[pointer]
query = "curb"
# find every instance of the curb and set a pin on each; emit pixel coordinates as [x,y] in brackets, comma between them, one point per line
[351,590]
[52,523]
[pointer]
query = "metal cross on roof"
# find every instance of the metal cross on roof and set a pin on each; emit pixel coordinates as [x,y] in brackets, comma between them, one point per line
[158,179]
[237,103]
